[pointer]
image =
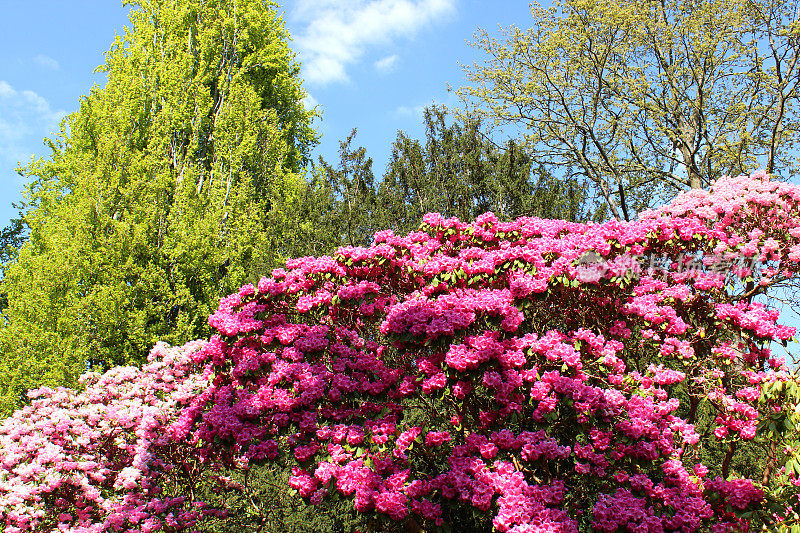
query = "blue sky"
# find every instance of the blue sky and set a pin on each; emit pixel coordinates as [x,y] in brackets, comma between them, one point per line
[369,64]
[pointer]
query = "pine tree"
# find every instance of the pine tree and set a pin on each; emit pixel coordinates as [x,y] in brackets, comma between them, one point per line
[351,190]
[456,170]
[459,171]
[169,187]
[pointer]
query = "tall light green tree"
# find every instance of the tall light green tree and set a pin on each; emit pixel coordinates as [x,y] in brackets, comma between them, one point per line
[642,96]
[170,186]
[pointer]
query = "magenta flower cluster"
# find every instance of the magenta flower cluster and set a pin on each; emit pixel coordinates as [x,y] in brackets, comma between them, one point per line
[480,365]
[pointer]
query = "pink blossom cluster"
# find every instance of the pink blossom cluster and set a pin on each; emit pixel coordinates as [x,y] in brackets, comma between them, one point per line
[488,366]
[522,362]
[97,459]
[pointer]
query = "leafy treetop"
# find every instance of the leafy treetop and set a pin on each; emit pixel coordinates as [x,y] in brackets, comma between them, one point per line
[644,98]
[169,187]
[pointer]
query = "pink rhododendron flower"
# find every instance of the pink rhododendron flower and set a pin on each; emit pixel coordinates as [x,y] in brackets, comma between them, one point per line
[532,371]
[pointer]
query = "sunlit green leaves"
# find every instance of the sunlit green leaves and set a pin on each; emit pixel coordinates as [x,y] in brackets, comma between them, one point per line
[645,97]
[170,186]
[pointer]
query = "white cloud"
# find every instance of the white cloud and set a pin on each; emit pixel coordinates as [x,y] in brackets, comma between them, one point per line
[337,33]
[309,102]
[6,90]
[417,111]
[387,64]
[448,100]
[46,62]
[25,119]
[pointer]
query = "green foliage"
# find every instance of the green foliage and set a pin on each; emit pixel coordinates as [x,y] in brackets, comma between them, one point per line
[351,190]
[258,499]
[646,97]
[169,187]
[11,239]
[460,172]
[457,170]
[780,438]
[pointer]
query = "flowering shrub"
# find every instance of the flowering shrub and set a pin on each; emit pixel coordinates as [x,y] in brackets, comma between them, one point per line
[550,376]
[486,365]
[98,460]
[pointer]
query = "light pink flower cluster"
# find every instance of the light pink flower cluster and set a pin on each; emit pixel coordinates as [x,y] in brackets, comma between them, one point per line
[98,459]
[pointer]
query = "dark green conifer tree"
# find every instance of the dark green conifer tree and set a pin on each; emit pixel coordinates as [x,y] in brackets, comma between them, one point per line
[457,170]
